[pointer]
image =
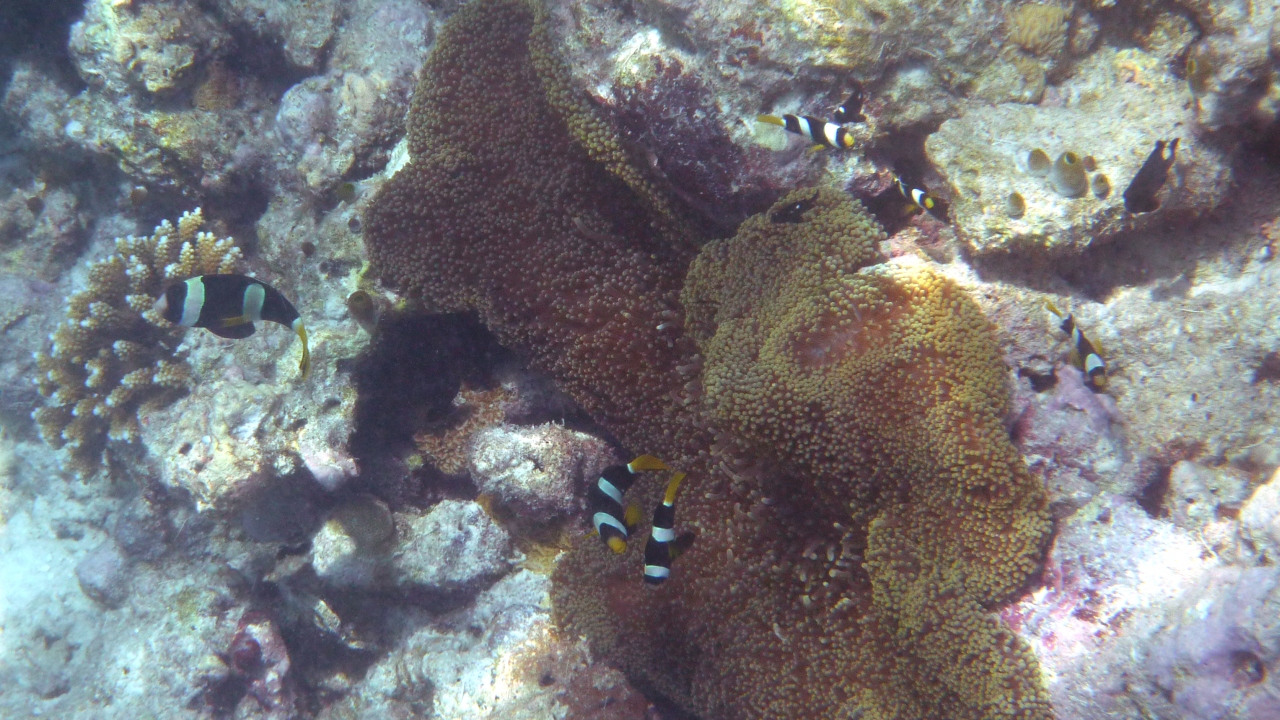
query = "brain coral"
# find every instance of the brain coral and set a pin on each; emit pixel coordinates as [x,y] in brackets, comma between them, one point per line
[113,352]
[857,504]
[539,223]
[869,509]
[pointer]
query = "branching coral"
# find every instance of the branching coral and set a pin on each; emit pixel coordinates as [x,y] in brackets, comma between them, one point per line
[870,509]
[113,353]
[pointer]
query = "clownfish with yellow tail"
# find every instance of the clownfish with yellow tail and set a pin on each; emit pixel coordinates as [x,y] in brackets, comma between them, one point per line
[661,548]
[613,523]
[823,134]
[228,306]
[1095,368]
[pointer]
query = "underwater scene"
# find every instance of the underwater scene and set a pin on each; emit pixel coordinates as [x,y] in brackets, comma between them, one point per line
[640,359]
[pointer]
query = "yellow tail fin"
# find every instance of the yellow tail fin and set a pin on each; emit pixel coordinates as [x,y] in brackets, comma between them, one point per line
[1048,304]
[647,462]
[672,487]
[772,120]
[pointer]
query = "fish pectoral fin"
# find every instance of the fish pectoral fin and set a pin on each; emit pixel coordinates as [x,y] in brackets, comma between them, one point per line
[304,365]
[234,332]
[631,517]
[233,321]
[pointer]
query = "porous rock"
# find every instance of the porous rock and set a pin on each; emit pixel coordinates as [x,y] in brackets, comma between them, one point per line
[1220,656]
[983,156]
[1199,494]
[454,547]
[537,472]
[103,575]
[1260,519]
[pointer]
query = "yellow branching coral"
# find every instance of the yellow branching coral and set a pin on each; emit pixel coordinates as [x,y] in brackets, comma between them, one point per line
[113,352]
[865,507]
[1039,28]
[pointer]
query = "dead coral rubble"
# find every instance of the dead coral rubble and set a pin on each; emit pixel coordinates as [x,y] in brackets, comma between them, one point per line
[113,353]
[857,505]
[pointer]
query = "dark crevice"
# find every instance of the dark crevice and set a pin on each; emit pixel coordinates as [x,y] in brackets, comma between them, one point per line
[1268,368]
[37,31]
[414,368]
[1153,495]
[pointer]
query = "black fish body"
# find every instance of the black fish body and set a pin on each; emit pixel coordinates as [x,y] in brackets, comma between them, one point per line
[228,306]
[850,111]
[1140,196]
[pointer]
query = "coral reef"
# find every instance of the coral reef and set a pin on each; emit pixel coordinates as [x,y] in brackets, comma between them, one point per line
[825,372]
[113,354]
[537,474]
[303,30]
[345,121]
[541,185]
[453,548]
[269,547]
[1038,28]
[983,155]
[420,242]
[156,46]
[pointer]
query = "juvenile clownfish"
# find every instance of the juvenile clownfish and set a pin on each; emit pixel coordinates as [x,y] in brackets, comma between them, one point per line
[1140,196]
[659,550]
[1094,366]
[821,133]
[920,198]
[228,306]
[850,111]
[604,500]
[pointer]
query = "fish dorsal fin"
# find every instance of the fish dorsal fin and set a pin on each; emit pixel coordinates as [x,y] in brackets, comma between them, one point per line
[234,332]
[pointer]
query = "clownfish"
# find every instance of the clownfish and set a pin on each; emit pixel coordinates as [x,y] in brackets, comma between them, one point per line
[228,306]
[604,500]
[821,133]
[1094,366]
[1140,196]
[659,550]
[920,198]
[850,111]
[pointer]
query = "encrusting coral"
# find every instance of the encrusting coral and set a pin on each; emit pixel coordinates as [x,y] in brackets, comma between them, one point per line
[113,353]
[856,504]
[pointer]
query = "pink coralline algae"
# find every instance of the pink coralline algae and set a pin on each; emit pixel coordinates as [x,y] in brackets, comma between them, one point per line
[1067,436]
[258,656]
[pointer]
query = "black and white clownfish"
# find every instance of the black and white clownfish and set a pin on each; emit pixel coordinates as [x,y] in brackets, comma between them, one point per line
[613,523]
[1140,196]
[228,306]
[821,133]
[920,198]
[659,551]
[850,111]
[1091,360]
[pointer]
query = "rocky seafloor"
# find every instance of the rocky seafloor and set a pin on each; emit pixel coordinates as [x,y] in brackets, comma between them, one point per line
[188,528]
